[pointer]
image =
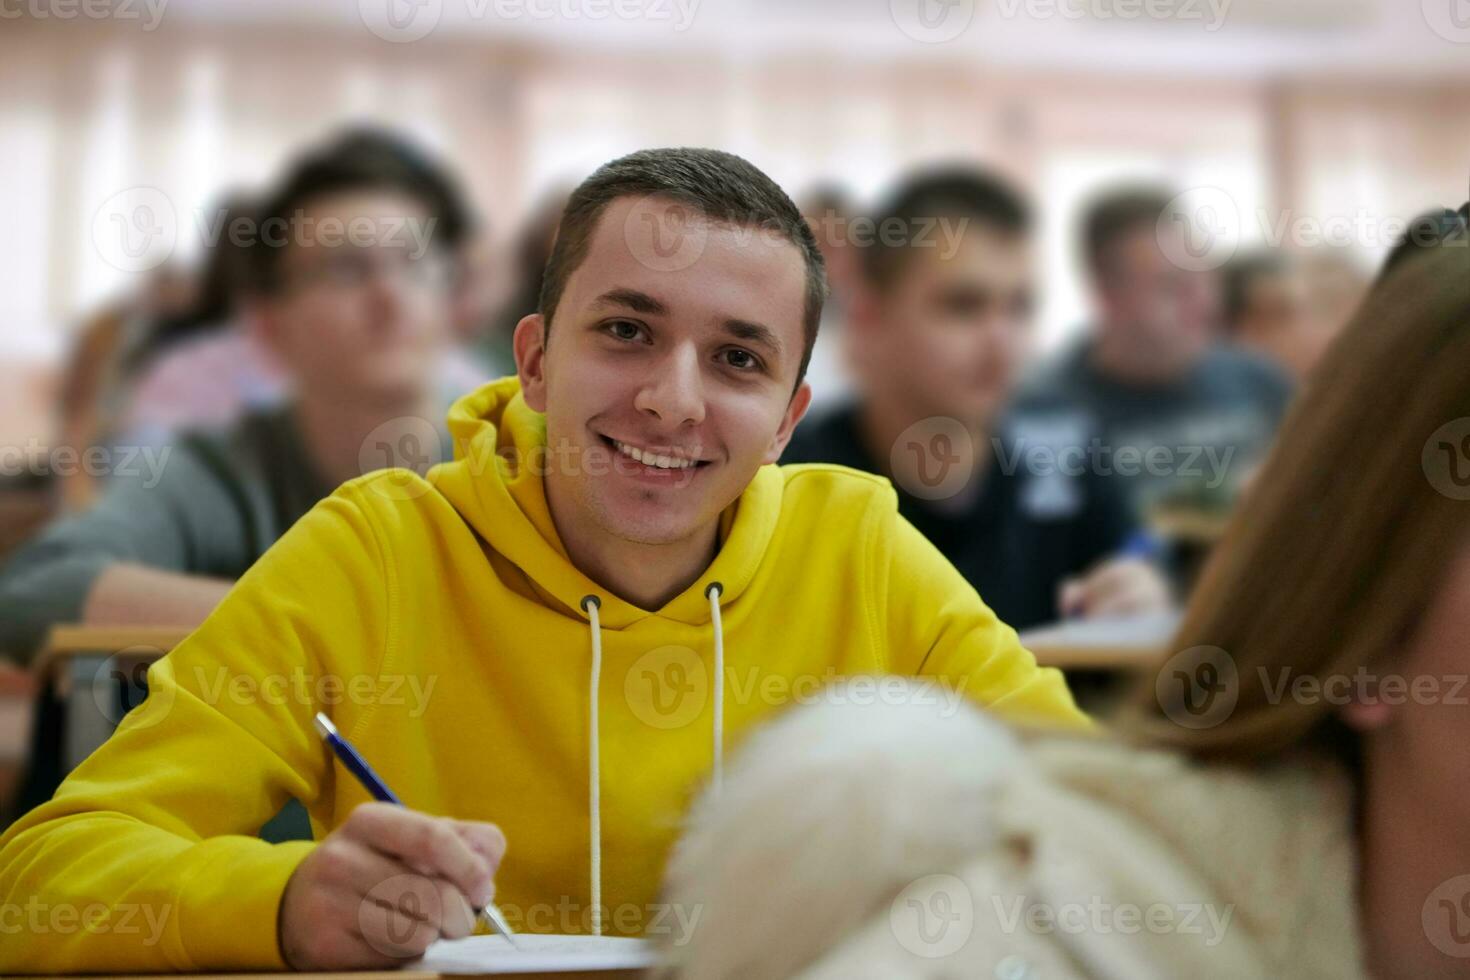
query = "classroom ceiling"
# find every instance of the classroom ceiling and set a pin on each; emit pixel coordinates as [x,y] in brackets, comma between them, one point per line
[1244,38]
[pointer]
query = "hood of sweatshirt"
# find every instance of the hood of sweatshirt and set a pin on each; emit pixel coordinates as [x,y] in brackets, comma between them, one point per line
[495,482]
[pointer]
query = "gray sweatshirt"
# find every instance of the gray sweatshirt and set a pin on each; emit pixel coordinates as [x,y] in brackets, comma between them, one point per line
[214,505]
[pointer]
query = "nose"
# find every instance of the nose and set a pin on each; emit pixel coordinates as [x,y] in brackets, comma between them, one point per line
[675,393]
[388,294]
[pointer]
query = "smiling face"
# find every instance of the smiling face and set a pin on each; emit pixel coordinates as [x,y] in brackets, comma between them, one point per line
[665,389]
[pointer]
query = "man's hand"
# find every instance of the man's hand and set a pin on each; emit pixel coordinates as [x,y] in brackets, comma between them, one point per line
[384,885]
[1120,587]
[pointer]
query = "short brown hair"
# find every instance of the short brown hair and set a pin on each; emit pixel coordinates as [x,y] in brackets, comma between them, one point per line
[1117,213]
[721,186]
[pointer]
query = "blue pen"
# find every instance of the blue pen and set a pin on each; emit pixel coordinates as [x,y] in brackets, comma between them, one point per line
[359,768]
[1141,544]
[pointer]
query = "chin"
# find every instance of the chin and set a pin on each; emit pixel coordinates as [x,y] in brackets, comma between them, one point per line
[647,522]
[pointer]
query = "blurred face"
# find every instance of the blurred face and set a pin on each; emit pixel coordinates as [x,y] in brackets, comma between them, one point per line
[950,333]
[664,388]
[363,310]
[1279,321]
[1153,311]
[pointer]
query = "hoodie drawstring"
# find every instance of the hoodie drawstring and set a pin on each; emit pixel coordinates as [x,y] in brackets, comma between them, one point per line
[590,605]
[713,593]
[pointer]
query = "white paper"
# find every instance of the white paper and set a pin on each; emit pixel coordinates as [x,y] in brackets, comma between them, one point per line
[537,954]
[1145,630]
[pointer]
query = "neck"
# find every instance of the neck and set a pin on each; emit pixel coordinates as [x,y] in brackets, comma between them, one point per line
[335,431]
[646,575]
[1407,852]
[1115,355]
[883,418]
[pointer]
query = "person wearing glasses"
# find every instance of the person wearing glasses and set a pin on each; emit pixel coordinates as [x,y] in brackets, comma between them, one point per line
[350,273]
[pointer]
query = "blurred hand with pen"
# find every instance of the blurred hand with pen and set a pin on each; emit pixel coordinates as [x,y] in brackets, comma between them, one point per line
[1127,584]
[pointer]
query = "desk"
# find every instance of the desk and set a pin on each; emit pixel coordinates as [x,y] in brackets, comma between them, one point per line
[83,666]
[1123,643]
[378,975]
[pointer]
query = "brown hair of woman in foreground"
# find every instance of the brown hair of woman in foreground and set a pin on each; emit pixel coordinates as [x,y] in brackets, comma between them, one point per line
[1345,539]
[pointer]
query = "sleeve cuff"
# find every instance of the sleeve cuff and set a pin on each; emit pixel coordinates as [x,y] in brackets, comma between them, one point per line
[229,908]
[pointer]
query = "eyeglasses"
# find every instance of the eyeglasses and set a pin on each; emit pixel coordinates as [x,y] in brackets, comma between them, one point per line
[353,268]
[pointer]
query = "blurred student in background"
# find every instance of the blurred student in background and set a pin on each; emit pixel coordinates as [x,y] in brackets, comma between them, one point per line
[103,365]
[527,268]
[1290,798]
[938,331]
[829,214]
[1273,308]
[350,289]
[1150,396]
[208,375]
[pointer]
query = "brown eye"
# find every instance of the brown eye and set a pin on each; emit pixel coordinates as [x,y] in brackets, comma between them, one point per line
[624,329]
[741,359]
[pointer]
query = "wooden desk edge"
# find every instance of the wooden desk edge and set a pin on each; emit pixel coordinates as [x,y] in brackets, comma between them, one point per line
[1120,657]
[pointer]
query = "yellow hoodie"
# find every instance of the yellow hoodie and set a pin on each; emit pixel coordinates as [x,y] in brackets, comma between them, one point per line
[441,626]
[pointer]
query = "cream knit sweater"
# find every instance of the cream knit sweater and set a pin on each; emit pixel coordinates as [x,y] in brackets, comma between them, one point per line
[918,838]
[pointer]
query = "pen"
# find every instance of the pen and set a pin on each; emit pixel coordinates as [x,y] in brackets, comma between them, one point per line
[359,768]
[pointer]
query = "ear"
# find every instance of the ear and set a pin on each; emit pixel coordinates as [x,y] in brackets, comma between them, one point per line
[529,345]
[801,400]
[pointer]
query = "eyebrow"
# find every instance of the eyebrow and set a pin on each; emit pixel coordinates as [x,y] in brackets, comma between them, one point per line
[632,299]
[641,302]
[755,333]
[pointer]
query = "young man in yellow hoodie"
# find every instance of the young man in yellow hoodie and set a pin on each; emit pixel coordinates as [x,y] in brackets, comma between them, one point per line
[550,641]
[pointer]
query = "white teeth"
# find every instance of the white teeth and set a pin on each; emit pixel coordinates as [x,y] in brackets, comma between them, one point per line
[651,459]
